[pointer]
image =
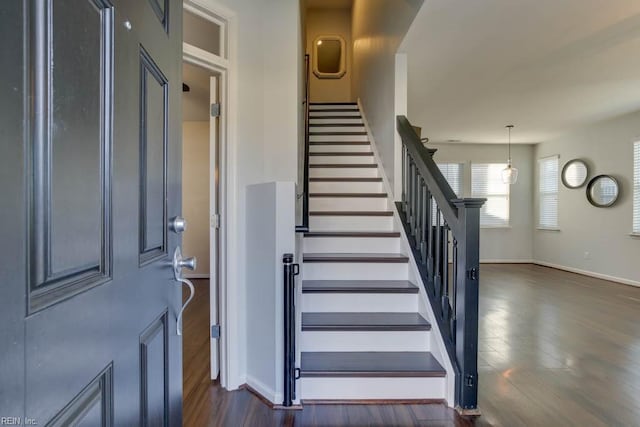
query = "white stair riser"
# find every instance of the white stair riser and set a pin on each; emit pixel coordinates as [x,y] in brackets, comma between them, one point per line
[345,187]
[352,244]
[355,271]
[343,172]
[341,148]
[348,203]
[341,160]
[358,303]
[364,341]
[320,113]
[350,223]
[346,120]
[320,107]
[336,128]
[371,388]
[317,138]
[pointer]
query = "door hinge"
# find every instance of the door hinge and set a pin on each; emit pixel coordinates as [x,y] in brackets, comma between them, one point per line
[215,221]
[215,331]
[215,110]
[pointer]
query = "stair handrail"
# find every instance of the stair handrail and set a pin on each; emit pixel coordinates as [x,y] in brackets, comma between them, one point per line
[456,310]
[304,227]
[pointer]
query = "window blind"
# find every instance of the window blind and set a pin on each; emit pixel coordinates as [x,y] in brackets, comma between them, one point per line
[636,187]
[486,182]
[548,174]
[453,174]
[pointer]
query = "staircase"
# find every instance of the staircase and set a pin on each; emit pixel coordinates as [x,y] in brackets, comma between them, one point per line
[363,336]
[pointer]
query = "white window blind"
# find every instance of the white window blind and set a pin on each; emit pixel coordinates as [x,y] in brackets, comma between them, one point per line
[453,174]
[486,182]
[548,174]
[636,187]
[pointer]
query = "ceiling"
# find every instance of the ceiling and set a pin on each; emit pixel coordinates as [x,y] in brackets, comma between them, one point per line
[547,66]
[329,4]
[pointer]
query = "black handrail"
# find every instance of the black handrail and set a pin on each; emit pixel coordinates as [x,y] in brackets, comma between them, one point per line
[304,227]
[290,270]
[431,213]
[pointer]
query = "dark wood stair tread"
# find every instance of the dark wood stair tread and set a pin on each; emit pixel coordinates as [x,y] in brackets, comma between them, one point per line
[370,364]
[355,257]
[364,195]
[352,234]
[359,287]
[333,103]
[343,153]
[339,143]
[336,125]
[351,117]
[344,165]
[333,110]
[344,133]
[364,322]
[345,179]
[351,213]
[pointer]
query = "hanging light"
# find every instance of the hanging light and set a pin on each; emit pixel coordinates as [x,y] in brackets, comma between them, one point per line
[509,174]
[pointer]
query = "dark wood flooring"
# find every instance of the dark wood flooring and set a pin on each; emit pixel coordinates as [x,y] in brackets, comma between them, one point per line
[556,349]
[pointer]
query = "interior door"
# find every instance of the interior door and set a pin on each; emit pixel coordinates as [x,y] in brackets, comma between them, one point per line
[214,202]
[91,176]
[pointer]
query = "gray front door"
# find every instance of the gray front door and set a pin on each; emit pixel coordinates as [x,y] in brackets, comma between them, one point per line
[90,178]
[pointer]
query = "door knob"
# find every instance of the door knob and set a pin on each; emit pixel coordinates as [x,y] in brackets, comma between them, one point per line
[178,224]
[179,263]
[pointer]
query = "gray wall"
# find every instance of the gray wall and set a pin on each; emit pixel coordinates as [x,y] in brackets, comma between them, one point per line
[514,243]
[603,233]
[378,28]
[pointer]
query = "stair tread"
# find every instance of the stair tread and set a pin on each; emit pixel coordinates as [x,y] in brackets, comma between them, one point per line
[351,213]
[364,322]
[370,364]
[344,165]
[351,117]
[345,179]
[343,153]
[352,234]
[336,125]
[355,257]
[333,103]
[374,195]
[340,133]
[359,286]
[333,110]
[339,143]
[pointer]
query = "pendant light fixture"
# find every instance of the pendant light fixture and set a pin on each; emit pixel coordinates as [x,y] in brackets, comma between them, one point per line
[509,174]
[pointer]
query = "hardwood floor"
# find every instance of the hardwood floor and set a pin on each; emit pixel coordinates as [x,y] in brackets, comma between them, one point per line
[556,349]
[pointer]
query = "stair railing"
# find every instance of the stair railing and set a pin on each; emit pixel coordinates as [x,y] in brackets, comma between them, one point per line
[304,227]
[444,234]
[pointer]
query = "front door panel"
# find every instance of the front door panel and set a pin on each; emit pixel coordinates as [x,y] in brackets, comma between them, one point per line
[99,167]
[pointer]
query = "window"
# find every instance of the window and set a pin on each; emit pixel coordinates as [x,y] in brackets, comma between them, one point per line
[636,188]
[486,182]
[453,174]
[548,192]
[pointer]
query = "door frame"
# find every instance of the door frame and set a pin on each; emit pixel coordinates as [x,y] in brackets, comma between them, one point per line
[224,67]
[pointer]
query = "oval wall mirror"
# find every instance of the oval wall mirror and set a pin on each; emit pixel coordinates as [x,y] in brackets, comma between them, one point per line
[574,173]
[603,191]
[329,57]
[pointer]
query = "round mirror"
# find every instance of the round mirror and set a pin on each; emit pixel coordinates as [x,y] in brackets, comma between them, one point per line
[574,173]
[603,191]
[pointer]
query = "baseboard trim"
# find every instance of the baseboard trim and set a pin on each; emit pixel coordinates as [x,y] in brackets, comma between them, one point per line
[374,402]
[197,275]
[507,261]
[615,279]
[264,393]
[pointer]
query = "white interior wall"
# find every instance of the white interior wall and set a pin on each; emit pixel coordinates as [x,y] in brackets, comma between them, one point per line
[329,22]
[195,194]
[513,243]
[270,219]
[378,27]
[262,140]
[594,240]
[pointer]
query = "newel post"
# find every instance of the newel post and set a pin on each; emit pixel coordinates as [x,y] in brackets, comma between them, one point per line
[467,296]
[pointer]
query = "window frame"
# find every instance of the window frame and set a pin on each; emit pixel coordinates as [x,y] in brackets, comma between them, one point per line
[539,226]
